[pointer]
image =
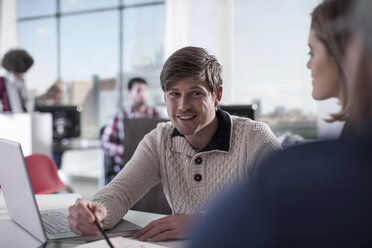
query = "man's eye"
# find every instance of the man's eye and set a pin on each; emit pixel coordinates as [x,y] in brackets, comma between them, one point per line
[195,93]
[311,54]
[173,94]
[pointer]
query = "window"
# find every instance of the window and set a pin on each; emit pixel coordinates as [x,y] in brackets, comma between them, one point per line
[270,56]
[39,38]
[94,46]
[89,46]
[81,5]
[143,47]
[27,8]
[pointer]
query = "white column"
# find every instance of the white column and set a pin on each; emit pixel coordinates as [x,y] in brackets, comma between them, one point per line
[207,24]
[8,25]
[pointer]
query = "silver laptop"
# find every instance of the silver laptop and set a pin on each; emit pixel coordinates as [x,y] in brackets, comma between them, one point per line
[22,207]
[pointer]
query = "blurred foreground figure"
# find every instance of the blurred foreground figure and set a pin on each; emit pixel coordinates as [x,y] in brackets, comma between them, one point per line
[313,195]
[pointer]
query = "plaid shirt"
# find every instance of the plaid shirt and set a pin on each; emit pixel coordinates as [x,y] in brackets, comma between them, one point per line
[112,139]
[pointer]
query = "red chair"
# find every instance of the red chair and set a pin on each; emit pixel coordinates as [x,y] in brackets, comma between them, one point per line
[43,174]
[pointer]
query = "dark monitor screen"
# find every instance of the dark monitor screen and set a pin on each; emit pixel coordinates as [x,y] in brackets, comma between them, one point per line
[66,120]
[239,110]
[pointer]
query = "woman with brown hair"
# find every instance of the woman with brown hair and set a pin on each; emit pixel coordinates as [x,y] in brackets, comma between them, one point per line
[358,66]
[326,54]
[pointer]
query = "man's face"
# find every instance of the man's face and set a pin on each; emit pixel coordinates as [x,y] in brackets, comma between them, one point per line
[191,106]
[138,94]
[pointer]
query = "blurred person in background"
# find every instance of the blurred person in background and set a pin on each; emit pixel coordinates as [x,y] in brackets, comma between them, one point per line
[55,95]
[316,194]
[112,138]
[13,91]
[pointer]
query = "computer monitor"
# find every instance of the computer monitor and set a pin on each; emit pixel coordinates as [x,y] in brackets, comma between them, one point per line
[66,120]
[240,110]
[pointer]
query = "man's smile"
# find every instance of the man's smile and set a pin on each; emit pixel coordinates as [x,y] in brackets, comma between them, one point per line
[186,117]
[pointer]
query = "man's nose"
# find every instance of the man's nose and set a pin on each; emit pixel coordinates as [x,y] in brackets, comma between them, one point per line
[141,93]
[184,103]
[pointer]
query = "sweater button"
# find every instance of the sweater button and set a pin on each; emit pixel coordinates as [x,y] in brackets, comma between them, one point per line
[198,160]
[198,177]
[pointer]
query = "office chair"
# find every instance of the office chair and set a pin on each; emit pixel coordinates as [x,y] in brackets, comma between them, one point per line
[44,174]
[240,110]
[135,129]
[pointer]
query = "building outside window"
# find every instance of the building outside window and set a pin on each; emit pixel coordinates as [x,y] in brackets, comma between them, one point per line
[270,56]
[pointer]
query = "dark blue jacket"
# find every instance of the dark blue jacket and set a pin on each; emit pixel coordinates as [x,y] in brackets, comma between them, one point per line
[313,195]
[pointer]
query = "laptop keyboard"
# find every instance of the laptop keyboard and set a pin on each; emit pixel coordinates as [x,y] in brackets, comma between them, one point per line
[55,222]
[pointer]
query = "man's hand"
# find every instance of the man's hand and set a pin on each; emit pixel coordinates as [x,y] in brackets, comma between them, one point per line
[82,216]
[166,228]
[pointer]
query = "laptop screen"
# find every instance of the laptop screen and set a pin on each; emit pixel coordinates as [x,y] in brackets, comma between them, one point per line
[17,189]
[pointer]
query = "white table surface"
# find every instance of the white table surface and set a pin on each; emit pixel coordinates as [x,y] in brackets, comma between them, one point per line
[12,235]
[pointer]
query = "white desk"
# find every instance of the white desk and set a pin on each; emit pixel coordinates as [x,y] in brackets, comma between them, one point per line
[12,235]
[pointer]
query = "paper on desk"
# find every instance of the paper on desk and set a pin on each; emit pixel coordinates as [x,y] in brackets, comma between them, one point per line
[120,242]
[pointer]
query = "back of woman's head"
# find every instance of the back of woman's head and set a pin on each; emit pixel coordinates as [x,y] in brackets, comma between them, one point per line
[359,62]
[17,61]
[323,18]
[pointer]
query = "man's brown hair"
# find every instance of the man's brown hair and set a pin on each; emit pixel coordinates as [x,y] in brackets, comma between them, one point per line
[191,62]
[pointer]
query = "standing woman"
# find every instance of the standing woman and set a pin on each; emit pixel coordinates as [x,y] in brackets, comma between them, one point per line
[327,53]
[13,91]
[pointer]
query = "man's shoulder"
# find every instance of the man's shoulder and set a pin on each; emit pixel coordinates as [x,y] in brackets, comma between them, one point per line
[163,127]
[161,133]
[247,123]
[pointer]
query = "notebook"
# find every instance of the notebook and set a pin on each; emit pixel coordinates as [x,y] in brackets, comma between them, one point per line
[22,207]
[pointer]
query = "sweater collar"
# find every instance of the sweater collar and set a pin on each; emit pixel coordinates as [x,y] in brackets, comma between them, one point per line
[220,139]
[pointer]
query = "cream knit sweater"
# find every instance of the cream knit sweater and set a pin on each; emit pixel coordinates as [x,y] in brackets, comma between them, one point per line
[171,160]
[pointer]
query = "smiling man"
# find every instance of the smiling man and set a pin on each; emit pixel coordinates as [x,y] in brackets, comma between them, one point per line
[200,153]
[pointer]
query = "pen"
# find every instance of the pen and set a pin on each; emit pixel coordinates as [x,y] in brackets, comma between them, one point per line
[103,233]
